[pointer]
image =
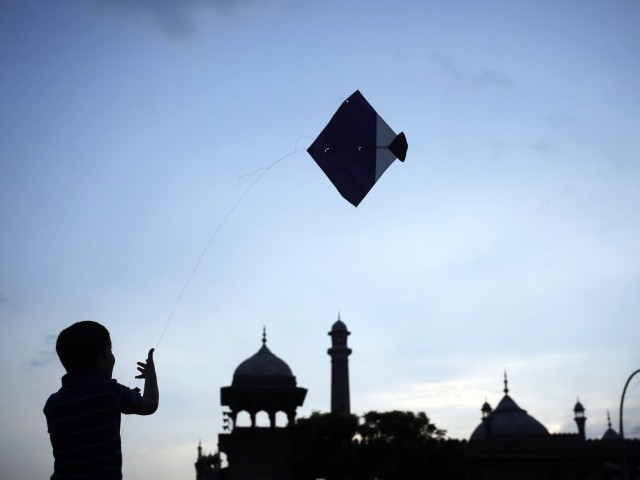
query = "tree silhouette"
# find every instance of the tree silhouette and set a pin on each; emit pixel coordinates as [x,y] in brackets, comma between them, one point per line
[322,446]
[383,445]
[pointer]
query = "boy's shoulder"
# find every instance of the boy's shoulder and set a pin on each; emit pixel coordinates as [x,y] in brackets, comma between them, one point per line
[78,381]
[92,387]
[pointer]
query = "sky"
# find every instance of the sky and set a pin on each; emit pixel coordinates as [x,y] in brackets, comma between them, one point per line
[154,178]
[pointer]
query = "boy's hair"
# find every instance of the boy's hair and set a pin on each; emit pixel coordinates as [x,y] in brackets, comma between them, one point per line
[79,345]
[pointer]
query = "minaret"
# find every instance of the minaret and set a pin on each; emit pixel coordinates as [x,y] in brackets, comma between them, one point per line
[339,353]
[486,419]
[580,419]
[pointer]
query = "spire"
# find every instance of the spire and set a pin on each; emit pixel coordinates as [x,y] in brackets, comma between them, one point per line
[506,386]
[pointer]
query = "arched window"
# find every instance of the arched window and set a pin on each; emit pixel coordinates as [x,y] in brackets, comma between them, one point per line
[281,419]
[243,419]
[262,419]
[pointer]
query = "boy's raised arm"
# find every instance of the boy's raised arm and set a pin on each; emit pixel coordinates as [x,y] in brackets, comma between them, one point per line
[150,394]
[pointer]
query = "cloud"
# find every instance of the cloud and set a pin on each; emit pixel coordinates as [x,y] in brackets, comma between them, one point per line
[540,147]
[632,432]
[467,78]
[177,18]
[46,355]
[457,393]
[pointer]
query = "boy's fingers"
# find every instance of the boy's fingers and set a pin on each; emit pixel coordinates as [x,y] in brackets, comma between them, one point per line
[143,366]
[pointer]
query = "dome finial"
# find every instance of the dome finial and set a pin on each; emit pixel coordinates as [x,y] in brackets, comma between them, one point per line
[608,419]
[264,335]
[506,386]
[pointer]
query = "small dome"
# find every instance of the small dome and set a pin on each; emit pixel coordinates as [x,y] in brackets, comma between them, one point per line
[486,408]
[578,408]
[339,326]
[508,419]
[263,364]
[611,434]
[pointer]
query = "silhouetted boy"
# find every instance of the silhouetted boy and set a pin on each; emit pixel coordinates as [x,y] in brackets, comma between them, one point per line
[83,417]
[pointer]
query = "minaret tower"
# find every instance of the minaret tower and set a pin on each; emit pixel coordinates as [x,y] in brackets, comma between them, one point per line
[339,353]
[580,419]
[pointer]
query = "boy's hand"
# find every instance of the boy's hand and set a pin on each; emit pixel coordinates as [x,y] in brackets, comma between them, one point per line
[147,369]
[150,396]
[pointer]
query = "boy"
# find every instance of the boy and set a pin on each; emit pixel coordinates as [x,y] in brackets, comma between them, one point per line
[83,417]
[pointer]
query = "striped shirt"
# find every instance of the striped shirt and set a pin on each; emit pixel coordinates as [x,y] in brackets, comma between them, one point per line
[83,420]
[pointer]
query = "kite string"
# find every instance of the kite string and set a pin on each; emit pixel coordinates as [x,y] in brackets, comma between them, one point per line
[263,171]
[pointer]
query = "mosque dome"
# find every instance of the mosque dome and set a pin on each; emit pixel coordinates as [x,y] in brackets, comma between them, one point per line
[610,433]
[507,420]
[263,368]
[263,364]
[263,382]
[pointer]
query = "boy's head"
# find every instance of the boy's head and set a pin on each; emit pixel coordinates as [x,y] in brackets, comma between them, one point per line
[85,346]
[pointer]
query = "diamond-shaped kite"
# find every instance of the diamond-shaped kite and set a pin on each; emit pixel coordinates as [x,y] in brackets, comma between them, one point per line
[356,147]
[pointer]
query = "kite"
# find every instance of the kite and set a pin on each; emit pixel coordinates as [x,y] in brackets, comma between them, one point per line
[356,147]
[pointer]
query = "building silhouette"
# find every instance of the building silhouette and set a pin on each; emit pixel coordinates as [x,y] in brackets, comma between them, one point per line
[511,444]
[507,444]
[339,353]
[262,383]
[208,466]
[507,420]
